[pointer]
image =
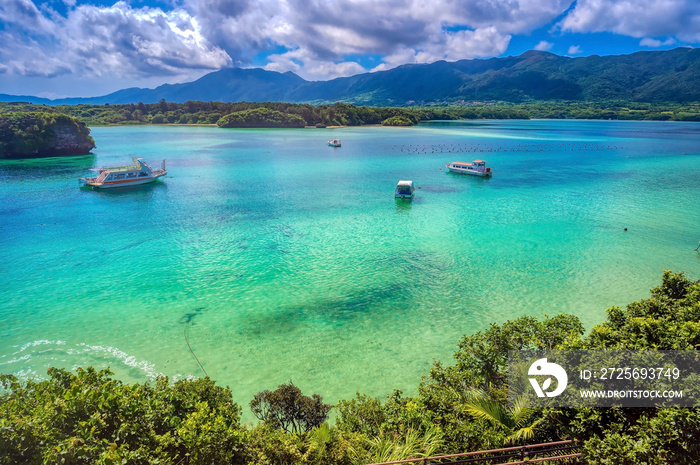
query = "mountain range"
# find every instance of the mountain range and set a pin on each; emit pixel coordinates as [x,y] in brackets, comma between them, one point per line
[656,76]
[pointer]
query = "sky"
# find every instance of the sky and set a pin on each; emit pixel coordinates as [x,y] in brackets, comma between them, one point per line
[77,48]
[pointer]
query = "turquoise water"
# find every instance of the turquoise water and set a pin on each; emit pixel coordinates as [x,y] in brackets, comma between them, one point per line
[287,259]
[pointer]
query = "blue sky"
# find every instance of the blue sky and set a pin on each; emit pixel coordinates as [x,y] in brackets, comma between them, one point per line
[78,48]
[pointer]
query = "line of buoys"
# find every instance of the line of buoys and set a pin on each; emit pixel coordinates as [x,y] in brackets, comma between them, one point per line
[479,148]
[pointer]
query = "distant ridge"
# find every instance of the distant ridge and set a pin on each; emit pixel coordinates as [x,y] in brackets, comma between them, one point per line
[656,76]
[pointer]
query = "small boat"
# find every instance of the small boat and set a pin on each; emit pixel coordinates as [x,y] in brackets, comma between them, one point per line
[475,168]
[404,190]
[119,176]
[334,143]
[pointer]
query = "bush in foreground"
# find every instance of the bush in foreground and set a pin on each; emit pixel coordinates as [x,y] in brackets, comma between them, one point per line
[288,409]
[88,417]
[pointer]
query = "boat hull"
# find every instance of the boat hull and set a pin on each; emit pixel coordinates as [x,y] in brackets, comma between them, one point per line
[470,172]
[123,183]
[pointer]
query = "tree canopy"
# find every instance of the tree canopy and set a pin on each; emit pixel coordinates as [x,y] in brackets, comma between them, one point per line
[37,133]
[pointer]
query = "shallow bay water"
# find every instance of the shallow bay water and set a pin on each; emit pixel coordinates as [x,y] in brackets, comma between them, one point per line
[286,259]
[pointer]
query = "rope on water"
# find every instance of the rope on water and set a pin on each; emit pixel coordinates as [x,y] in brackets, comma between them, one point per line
[195,357]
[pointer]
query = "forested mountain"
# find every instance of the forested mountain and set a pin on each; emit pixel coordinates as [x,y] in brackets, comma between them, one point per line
[660,76]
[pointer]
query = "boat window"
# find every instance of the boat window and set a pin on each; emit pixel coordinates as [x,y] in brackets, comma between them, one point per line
[143,174]
[119,176]
[109,177]
[131,174]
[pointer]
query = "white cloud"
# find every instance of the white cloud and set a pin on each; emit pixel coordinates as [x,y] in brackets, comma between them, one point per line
[104,41]
[638,18]
[574,50]
[400,31]
[649,42]
[482,42]
[543,46]
[300,62]
[318,39]
[508,16]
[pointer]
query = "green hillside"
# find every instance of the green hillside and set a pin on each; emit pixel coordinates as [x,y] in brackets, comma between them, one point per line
[670,76]
[648,77]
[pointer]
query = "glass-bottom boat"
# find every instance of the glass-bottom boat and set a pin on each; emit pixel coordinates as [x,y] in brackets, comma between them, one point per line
[120,176]
[475,168]
[404,190]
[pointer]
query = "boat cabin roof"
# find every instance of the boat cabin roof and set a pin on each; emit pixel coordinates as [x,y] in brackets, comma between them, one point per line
[405,183]
[461,163]
[478,161]
[135,167]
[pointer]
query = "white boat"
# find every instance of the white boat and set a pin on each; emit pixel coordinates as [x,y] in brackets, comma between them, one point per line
[404,190]
[334,143]
[475,168]
[120,176]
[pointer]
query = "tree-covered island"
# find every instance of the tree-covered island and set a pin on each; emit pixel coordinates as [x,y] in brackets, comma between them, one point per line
[89,417]
[41,133]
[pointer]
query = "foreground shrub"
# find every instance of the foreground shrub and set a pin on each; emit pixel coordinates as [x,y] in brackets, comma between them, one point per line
[87,417]
[288,409]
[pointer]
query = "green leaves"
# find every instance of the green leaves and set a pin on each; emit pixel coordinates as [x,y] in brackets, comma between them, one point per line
[412,444]
[669,320]
[363,414]
[518,421]
[398,121]
[87,417]
[288,409]
[261,118]
[41,133]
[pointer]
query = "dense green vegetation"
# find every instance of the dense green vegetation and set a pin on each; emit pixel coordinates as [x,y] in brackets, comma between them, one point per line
[614,110]
[36,133]
[245,114]
[242,114]
[398,121]
[261,118]
[88,417]
[288,409]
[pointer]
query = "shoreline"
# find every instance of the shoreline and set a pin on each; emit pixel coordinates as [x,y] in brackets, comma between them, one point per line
[386,126]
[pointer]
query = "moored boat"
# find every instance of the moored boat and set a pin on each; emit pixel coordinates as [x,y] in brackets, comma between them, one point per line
[334,143]
[120,176]
[475,168]
[404,190]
